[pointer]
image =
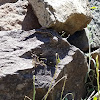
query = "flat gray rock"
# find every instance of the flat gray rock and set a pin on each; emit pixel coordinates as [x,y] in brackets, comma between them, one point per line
[27,53]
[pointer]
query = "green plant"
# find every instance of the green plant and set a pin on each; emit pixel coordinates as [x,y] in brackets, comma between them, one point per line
[97,72]
[96,76]
[34,92]
[90,76]
[63,88]
[91,85]
[64,77]
[64,98]
[57,62]
[90,42]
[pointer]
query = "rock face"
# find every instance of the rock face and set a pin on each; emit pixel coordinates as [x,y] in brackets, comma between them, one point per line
[62,15]
[95,24]
[24,53]
[80,40]
[17,15]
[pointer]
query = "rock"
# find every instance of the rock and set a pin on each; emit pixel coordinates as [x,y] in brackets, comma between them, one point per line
[95,38]
[80,40]
[62,15]
[94,26]
[30,20]
[15,16]
[27,53]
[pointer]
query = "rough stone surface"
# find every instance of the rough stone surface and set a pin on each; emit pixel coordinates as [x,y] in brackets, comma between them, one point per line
[24,53]
[95,24]
[62,15]
[93,30]
[30,20]
[18,15]
[80,40]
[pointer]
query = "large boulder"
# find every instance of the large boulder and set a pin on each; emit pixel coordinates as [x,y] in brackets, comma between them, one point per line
[27,53]
[62,15]
[18,15]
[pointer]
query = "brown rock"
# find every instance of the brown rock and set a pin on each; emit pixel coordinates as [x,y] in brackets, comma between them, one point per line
[62,15]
